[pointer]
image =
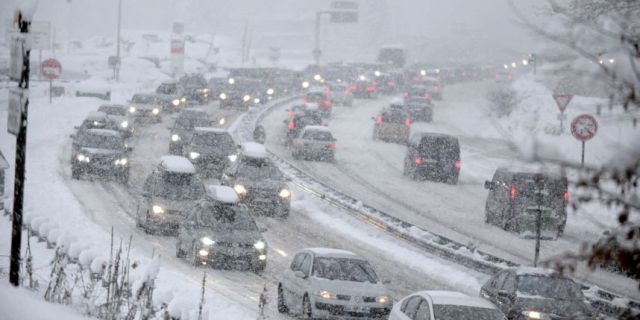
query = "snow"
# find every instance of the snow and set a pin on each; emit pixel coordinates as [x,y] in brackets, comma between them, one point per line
[210,129]
[96,115]
[223,194]
[329,252]
[103,132]
[311,106]
[456,298]
[316,128]
[22,304]
[177,164]
[254,150]
[529,271]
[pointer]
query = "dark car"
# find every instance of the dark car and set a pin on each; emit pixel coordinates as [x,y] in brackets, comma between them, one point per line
[118,114]
[219,231]
[434,88]
[258,182]
[533,293]
[339,93]
[217,85]
[419,110]
[314,142]
[300,117]
[145,108]
[386,83]
[434,156]
[182,129]
[195,88]
[98,120]
[321,98]
[100,152]
[172,94]
[211,150]
[515,196]
[417,92]
[364,89]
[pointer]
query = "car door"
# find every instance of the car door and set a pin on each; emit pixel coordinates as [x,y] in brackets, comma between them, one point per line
[493,286]
[302,285]
[288,285]
[409,309]
[509,286]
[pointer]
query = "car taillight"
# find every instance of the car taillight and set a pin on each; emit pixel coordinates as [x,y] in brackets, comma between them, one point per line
[458,164]
[417,160]
[509,77]
[427,96]
[354,88]
[291,125]
[331,146]
[379,120]
[407,122]
[327,90]
[436,88]
[406,94]
[301,144]
[290,113]
[565,197]
[391,84]
[326,104]
[512,193]
[370,89]
[347,92]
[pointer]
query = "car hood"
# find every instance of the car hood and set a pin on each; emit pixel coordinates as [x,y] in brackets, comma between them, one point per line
[562,308]
[118,119]
[351,288]
[229,236]
[266,184]
[140,106]
[98,151]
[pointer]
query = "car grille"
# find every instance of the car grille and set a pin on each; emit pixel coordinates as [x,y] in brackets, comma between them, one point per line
[369,299]
[343,297]
[103,161]
[234,245]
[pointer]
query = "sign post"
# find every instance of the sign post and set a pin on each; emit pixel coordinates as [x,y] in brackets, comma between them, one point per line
[51,69]
[584,127]
[562,100]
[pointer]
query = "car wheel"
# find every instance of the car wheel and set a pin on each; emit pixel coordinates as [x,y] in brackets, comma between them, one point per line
[307,312]
[282,304]
[285,212]
[75,174]
[124,177]
[179,252]
[452,179]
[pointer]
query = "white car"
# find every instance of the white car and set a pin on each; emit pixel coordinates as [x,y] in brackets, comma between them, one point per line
[444,305]
[330,283]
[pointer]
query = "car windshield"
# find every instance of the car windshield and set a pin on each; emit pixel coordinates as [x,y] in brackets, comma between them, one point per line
[308,120]
[318,135]
[344,269]
[219,141]
[456,312]
[259,169]
[143,99]
[179,186]
[101,142]
[417,91]
[113,110]
[167,89]
[191,121]
[225,217]
[549,287]
[315,96]
[394,116]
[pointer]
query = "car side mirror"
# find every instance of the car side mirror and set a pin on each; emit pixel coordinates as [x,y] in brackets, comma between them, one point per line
[488,185]
[300,274]
[504,296]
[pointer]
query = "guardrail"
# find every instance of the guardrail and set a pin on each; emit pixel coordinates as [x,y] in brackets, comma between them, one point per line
[466,255]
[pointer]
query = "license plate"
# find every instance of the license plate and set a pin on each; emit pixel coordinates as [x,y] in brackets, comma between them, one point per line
[356,309]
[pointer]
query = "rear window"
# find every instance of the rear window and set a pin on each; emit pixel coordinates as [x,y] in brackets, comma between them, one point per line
[142,99]
[315,96]
[526,183]
[417,91]
[318,135]
[190,121]
[394,116]
[308,120]
[167,89]
[439,145]
[113,110]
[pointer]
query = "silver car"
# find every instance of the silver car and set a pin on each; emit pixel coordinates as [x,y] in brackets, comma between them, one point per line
[145,107]
[330,283]
[314,142]
[118,114]
[444,305]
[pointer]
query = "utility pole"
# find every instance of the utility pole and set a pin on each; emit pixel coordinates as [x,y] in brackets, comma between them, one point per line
[21,158]
[117,66]
[539,189]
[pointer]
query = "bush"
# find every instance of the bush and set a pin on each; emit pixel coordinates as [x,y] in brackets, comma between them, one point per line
[502,101]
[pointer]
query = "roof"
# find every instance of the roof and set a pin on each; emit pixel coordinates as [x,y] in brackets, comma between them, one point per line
[113,106]
[456,298]
[96,115]
[419,135]
[102,132]
[210,130]
[530,271]
[177,164]
[329,252]
[254,150]
[533,169]
[222,193]
[397,101]
[316,128]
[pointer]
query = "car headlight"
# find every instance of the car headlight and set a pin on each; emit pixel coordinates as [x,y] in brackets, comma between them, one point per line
[124,124]
[246,98]
[122,162]
[383,299]
[175,102]
[203,252]
[132,109]
[284,193]
[155,111]
[207,241]
[240,189]
[175,137]
[324,294]
[262,257]
[232,81]
[194,155]
[222,121]
[157,209]
[205,90]
[183,99]
[223,96]
[305,84]
[260,245]
[83,158]
[233,157]
[270,91]
[256,100]
[535,315]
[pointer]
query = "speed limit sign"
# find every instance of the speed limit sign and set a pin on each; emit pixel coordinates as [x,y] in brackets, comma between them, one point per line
[584,127]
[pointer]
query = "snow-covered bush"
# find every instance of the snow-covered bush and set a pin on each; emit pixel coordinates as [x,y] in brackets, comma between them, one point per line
[502,101]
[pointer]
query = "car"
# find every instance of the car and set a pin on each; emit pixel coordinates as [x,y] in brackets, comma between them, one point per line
[324,283]
[118,114]
[433,156]
[504,77]
[417,93]
[299,117]
[217,85]
[433,87]
[173,93]
[211,150]
[314,142]
[167,193]
[386,83]
[219,231]
[187,120]
[258,182]
[526,293]
[241,93]
[145,108]
[392,124]
[100,152]
[340,94]
[419,110]
[512,191]
[364,89]
[98,120]
[432,305]
[195,88]
[321,98]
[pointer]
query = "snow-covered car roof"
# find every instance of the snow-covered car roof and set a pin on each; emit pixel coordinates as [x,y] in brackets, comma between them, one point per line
[397,101]
[531,271]
[316,90]
[210,130]
[177,164]
[192,111]
[222,193]
[102,132]
[416,136]
[335,253]
[311,106]
[456,299]
[254,150]
[96,115]
[554,171]
[316,128]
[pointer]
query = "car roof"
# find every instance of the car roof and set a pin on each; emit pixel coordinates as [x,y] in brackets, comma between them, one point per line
[96,115]
[222,194]
[532,169]
[316,128]
[102,132]
[113,106]
[456,298]
[177,164]
[397,101]
[192,111]
[420,135]
[209,130]
[531,271]
[254,150]
[171,82]
[333,253]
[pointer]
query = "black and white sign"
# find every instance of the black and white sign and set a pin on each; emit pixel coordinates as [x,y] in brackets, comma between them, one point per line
[17,98]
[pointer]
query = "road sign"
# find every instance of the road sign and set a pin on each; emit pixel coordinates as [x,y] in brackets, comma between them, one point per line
[177,46]
[562,100]
[17,98]
[584,127]
[39,35]
[51,69]
[344,16]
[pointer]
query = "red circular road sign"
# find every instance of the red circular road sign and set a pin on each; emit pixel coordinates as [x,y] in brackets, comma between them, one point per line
[51,68]
[584,127]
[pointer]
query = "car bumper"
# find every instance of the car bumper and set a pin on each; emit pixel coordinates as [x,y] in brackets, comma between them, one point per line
[349,310]
[435,171]
[166,223]
[232,257]
[100,168]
